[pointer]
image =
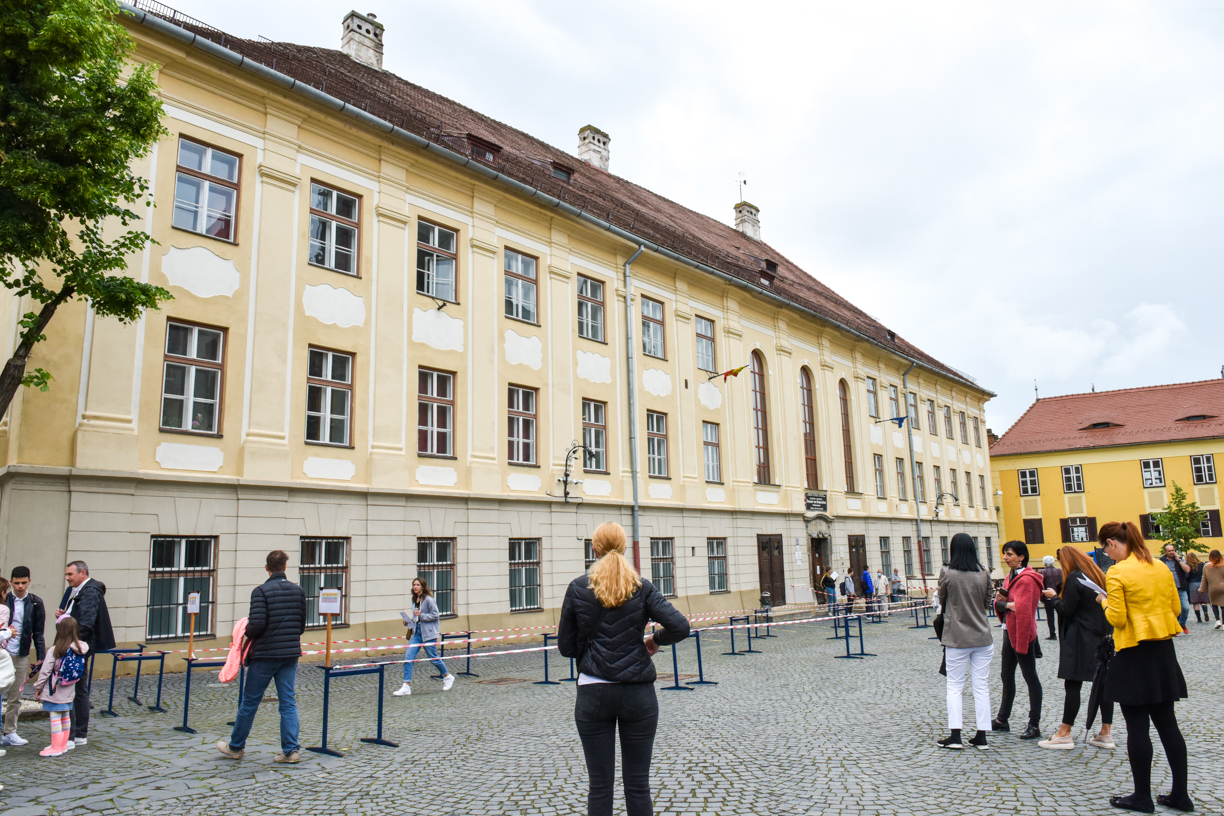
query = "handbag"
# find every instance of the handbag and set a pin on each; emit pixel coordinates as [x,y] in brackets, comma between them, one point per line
[8,674]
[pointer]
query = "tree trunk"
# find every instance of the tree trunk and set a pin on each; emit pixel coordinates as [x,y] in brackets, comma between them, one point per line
[14,369]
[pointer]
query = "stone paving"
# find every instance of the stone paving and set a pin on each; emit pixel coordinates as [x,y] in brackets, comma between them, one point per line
[788,731]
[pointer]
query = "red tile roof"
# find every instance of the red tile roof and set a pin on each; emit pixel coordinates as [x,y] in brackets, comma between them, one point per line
[529,161]
[1130,416]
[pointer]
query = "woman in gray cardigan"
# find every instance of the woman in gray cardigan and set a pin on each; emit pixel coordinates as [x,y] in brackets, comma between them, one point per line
[423,630]
[964,589]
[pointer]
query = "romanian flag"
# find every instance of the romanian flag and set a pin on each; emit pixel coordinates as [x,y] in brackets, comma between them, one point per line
[732,373]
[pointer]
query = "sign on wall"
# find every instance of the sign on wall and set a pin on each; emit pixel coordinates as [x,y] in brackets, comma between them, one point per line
[816,501]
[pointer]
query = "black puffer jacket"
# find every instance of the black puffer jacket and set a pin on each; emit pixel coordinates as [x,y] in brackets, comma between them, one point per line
[277,619]
[616,652]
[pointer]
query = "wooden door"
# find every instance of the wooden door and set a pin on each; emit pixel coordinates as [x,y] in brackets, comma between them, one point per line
[858,559]
[816,547]
[772,569]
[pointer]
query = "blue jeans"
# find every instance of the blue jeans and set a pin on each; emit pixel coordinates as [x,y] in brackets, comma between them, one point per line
[414,648]
[259,674]
[1185,609]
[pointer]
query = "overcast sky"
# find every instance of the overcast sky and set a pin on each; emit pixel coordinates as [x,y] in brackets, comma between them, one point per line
[1024,190]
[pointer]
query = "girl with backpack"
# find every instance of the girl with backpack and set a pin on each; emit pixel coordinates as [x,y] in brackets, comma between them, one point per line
[57,679]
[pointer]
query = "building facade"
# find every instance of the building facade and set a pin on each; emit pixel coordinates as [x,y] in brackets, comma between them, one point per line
[1072,463]
[397,348]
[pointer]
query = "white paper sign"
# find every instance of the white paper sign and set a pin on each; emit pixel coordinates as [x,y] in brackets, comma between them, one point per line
[193,603]
[329,602]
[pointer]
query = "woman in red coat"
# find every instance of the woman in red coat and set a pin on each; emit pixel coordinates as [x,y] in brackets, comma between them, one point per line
[1016,606]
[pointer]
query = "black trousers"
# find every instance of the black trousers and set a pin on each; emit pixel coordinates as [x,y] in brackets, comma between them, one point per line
[1071,705]
[1139,745]
[1028,668]
[1051,620]
[79,713]
[598,712]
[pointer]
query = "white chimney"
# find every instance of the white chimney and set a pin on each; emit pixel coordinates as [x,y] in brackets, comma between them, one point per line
[748,220]
[362,39]
[593,147]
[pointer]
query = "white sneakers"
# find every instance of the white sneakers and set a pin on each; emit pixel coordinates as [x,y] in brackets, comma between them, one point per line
[79,741]
[1056,741]
[1103,741]
[402,691]
[1219,625]
[447,682]
[13,739]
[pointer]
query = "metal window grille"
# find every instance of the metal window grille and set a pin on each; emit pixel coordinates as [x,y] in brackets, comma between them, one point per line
[589,557]
[663,566]
[323,565]
[716,553]
[436,564]
[524,574]
[178,566]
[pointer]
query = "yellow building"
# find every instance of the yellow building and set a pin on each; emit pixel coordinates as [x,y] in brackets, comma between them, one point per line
[1072,463]
[393,318]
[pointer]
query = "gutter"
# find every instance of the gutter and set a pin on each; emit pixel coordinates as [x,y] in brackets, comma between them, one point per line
[276,78]
[633,447]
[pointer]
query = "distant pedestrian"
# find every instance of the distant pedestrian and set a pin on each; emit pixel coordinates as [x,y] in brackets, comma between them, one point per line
[881,587]
[848,591]
[1198,598]
[28,617]
[964,587]
[868,589]
[603,619]
[85,600]
[1016,606]
[1082,629]
[55,687]
[275,625]
[897,584]
[1144,677]
[423,630]
[1180,570]
[1052,578]
[829,584]
[1212,586]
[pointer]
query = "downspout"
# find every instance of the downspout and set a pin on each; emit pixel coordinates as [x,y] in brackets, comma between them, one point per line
[633,448]
[909,435]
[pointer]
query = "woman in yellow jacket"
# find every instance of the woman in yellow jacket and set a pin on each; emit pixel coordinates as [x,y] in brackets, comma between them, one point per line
[1144,678]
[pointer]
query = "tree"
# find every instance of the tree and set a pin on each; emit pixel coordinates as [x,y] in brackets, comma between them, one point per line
[1180,522]
[71,124]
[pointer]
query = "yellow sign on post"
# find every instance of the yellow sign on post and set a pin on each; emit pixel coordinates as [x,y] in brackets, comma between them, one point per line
[193,609]
[329,604]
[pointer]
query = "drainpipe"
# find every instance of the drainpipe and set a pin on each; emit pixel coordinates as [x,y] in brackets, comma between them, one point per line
[909,435]
[633,448]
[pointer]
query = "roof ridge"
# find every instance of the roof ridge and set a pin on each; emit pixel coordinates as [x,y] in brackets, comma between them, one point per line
[1131,389]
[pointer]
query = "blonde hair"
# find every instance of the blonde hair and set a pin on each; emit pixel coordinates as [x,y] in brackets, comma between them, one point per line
[613,579]
[1192,560]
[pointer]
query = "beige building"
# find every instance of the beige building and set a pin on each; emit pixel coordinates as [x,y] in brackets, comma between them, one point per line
[393,317]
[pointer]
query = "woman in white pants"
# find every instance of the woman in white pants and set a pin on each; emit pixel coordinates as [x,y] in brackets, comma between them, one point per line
[964,587]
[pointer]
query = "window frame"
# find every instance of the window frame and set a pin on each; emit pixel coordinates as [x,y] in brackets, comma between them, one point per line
[524,565]
[524,418]
[322,569]
[964,428]
[652,440]
[600,428]
[760,419]
[919,483]
[708,446]
[977,432]
[982,487]
[911,408]
[522,280]
[1146,466]
[706,338]
[907,556]
[205,622]
[429,569]
[653,321]
[432,431]
[881,484]
[937,478]
[588,554]
[886,560]
[438,251]
[312,213]
[873,398]
[331,385]
[807,425]
[191,363]
[932,424]
[955,488]
[716,555]
[1203,471]
[1073,478]
[969,487]
[943,550]
[947,417]
[843,396]
[592,302]
[924,554]
[894,402]
[209,179]
[1030,485]
[668,560]
[902,492]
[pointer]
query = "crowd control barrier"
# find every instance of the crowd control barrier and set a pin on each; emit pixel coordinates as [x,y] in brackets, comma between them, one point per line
[676,685]
[924,624]
[756,620]
[192,664]
[700,681]
[546,681]
[467,636]
[861,652]
[328,674]
[731,622]
[121,655]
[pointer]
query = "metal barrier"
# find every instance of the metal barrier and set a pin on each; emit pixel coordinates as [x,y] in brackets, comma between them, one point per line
[546,681]
[700,681]
[328,674]
[192,664]
[675,686]
[756,620]
[120,655]
[924,624]
[467,636]
[746,621]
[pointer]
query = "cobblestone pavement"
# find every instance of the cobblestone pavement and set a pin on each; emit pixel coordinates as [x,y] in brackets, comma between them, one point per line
[788,731]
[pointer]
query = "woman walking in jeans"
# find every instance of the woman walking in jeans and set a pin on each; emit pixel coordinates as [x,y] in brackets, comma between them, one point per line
[603,618]
[964,588]
[423,628]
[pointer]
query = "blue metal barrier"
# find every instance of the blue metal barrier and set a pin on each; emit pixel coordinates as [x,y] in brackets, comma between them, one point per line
[328,674]
[861,653]
[924,624]
[732,621]
[546,681]
[675,686]
[847,655]
[123,655]
[192,664]
[700,681]
[442,650]
[756,620]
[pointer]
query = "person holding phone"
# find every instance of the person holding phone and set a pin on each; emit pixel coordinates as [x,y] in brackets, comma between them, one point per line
[1016,606]
[423,631]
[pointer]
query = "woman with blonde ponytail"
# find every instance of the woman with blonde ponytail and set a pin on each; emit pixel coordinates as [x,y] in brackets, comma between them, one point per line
[603,620]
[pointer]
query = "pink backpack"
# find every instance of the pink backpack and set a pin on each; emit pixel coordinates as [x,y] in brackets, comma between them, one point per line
[239,647]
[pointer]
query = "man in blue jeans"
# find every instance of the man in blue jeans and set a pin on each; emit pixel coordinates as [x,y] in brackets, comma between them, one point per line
[275,626]
[1180,569]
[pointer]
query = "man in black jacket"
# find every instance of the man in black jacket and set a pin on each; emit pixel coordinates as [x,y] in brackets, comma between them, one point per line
[28,615]
[85,600]
[1051,578]
[275,626]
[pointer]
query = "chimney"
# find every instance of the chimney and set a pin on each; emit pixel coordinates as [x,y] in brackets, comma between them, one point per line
[593,147]
[748,220]
[362,39]
[991,438]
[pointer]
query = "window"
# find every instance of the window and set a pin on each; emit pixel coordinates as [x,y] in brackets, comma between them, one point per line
[807,408]
[943,549]
[919,483]
[930,406]
[894,402]
[885,557]
[716,550]
[524,574]
[705,345]
[206,190]
[952,487]
[191,378]
[989,554]
[562,172]
[520,287]
[1209,526]
[656,444]
[652,328]
[589,558]
[760,419]
[947,412]
[982,487]
[847,453]
[590,309]
[1078,530]
[969,488]
[435,412]
[521,425]
[329,397]
[964,428]
[881,490]
[324,565]
[977,432]
[179,566]
[333,229]
[594,436]
[907,551]
[663,566]
[937,476]
[925,544]
[1073,479]
[436,261]
[911,405]
[713,456]
[1033,533]
[1028,482]
[1204,468]
[873,398]
[1153,472]
[901,491]
[436,564]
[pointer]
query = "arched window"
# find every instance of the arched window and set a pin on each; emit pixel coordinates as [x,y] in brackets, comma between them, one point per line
[847,452]
[807,409]
[760,419]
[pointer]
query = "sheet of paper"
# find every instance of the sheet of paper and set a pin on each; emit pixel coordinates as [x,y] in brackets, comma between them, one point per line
[1091,585]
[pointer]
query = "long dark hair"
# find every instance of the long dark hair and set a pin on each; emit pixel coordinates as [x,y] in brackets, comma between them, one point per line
[66,636]
[1020,549]
[963,555]
[425,593]
[1126,533]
